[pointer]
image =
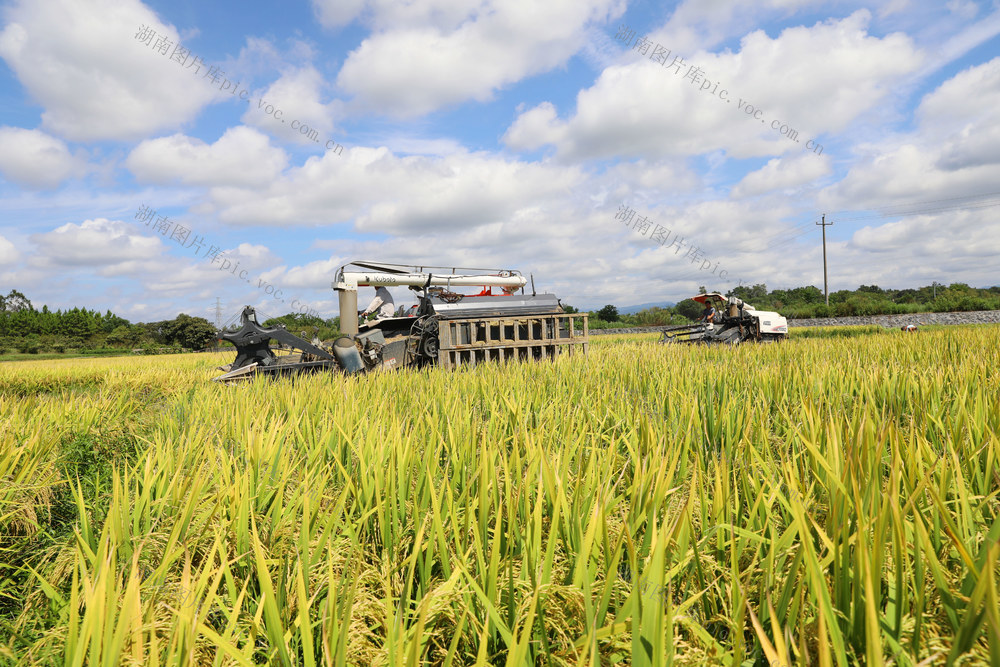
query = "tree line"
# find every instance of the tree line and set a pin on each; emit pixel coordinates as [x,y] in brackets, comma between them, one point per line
[809,302]
[26,329]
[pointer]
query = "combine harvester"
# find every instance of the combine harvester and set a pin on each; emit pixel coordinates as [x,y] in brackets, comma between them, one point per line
[735,322]
[447,329]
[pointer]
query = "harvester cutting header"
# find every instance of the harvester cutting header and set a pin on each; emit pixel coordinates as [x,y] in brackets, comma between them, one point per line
[445,327]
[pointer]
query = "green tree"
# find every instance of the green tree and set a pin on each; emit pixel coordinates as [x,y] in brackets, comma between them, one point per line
[840,296]
[809,294]
[15,301]
[79,322]
[689,308]
[193,333]
[125,336]
[30,344]
[109,322]
[653,317]
[295,321]
[299,323]
[23,322]
[608,313]
[155,330]
[756,296]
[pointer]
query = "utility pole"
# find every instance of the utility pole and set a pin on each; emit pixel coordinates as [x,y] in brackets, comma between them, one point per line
[218,315]
[826,289]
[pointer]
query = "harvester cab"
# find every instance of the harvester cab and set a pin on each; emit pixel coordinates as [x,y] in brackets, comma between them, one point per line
[445,328]
[734,322]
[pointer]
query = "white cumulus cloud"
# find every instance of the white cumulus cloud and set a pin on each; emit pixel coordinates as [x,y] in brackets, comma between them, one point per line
[241,156]
[811,80]
[95,243]
[451,52]
[80,60]
[954,152]
[384,193]
[35,159]
[783,173]
[8,253]
[294,99]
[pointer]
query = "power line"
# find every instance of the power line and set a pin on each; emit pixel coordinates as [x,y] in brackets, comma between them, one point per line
[929,201]
[923,211]
[901,210]
[783,235]
[919,208]
[785,241]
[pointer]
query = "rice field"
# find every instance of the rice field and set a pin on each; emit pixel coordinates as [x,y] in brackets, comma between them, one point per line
[824,501]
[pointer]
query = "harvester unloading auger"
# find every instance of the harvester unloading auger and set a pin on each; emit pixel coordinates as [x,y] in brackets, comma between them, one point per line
[447,328]
[734,322]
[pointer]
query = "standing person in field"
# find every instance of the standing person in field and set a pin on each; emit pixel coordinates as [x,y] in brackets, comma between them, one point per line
[707,315]
[382,303]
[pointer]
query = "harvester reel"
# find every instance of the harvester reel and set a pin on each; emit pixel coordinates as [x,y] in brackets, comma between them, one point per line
[254,352]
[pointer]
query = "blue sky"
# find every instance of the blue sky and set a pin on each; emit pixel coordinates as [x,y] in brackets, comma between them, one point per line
[556,138]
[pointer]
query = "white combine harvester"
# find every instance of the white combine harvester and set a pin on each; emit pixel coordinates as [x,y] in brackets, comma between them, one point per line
[734,323]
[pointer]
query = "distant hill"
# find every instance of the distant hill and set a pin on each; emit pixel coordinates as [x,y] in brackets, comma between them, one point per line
[632,310]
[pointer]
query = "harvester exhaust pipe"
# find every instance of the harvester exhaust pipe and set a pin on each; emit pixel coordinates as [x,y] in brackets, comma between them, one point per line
[347,353]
